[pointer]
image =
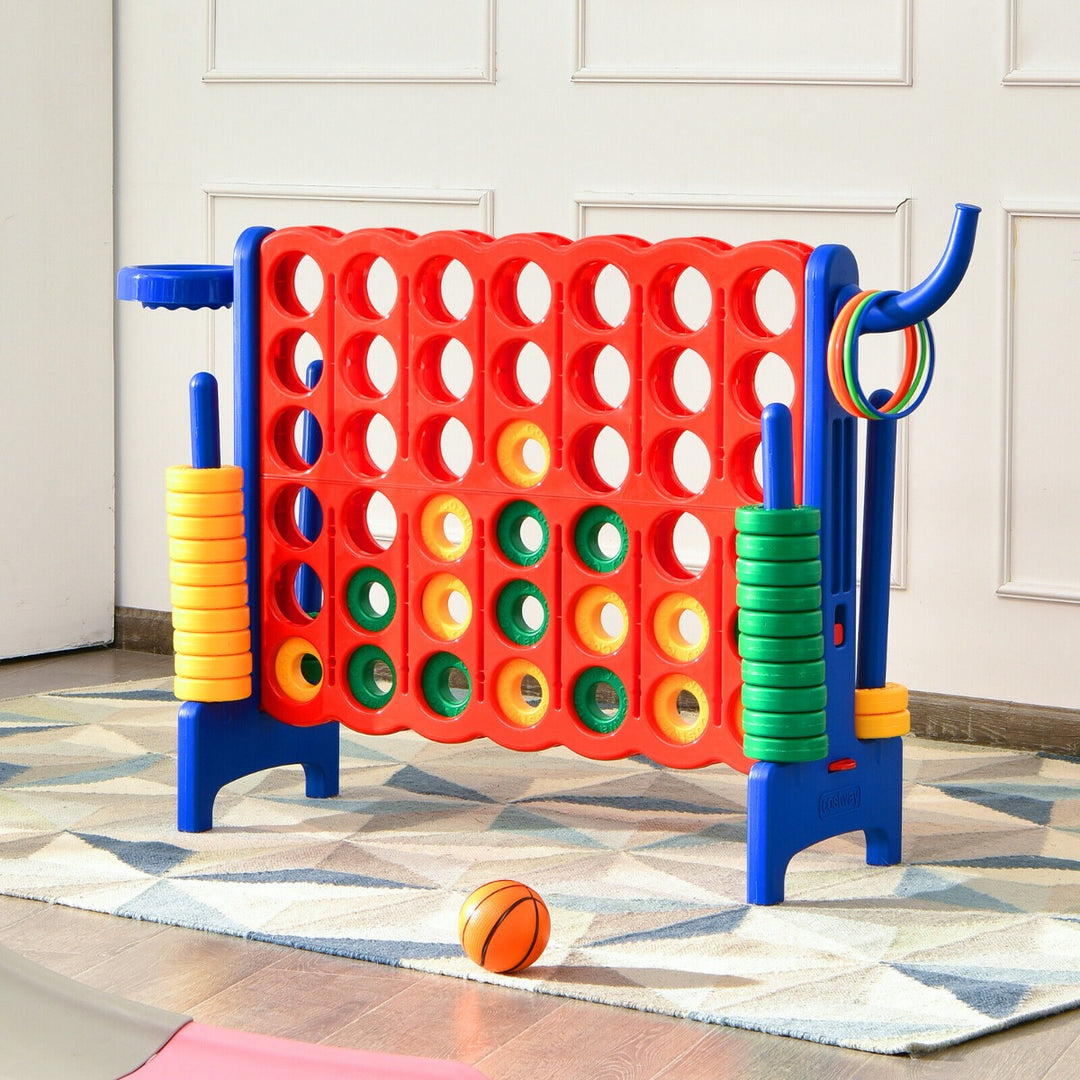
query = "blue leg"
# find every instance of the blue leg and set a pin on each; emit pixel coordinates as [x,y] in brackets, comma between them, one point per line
[221,742]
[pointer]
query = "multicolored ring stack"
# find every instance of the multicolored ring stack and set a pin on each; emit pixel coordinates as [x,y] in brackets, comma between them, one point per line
[208,577]
[781,638]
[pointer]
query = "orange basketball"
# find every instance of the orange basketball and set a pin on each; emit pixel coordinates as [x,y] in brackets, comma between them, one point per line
[504,926]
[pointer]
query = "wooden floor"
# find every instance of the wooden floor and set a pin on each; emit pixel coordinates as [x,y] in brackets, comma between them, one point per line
[506,1034]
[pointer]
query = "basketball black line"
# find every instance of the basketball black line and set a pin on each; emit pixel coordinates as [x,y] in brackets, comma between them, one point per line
[536,934]
[495,929]
[503,888]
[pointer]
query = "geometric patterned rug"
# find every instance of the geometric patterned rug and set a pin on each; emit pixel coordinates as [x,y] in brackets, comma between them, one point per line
[642,868]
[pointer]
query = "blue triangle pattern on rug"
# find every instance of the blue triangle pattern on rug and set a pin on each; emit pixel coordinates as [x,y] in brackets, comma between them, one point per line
[7,730]
[374,950]
[9,771]
[151,857]
[722,922]
[164,902]
[302,876]
[922,884]
[516,819]
[640,803]
[410,778]
[992,997]
[99,774]
[117,695]
[1014,862]
[1013,803]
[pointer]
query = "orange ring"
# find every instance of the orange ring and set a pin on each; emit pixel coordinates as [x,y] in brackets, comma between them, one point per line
[204,481]
[208,597]
[289,672]
[510,697]
[666,715]
[204,504]
[587,622]
[205,528]
[879,700]
[510,453]
[215,573]
[883,725]
[234,666]
[668,633]
[435,605]
[231,549]
[221,643]
[212,689]
[211,620]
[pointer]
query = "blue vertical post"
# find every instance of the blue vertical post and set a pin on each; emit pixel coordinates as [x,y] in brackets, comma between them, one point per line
[879,486]
[205,421]
[777,457]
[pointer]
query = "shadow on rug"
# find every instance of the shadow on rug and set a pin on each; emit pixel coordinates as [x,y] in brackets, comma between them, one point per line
[643,869]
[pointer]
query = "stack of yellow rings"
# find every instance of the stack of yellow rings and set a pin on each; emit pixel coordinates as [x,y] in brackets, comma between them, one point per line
[208,578]
[882,712]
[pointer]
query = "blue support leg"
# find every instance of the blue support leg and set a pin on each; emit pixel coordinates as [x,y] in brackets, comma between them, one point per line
[221,742]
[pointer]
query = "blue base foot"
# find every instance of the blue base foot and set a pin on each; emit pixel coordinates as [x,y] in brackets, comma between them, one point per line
[221,742]
[791,807]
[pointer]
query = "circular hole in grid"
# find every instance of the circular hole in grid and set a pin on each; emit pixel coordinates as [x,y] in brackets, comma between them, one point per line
[370,521]
[296,434]
[456,369]
[371,366]
[773,381]
[446,448]
[296,359]
[601,458]
[600,296]
[532,613]
[691,383]
[609,540]
[765,302]
[532,693]
[297,517]
[308,283]
[680,545]
[522,293]
[369,444]
[691,627]
[746,469]
[601,377]
[692,298]
[297,593]
[370,287]
[612,621]
[523,373]
[297,284]
[445,290]
[681,463]
[688,707]
[457,603]
[606,699]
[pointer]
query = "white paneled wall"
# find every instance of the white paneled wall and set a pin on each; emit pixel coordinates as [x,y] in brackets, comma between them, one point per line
[840,121]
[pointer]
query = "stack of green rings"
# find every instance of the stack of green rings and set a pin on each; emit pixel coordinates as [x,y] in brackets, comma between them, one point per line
[781,639]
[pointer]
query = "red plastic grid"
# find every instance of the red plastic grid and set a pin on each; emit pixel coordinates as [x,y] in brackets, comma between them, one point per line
[417,325]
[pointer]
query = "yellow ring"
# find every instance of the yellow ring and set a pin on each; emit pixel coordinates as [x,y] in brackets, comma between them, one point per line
[890,698]
[234,666]
[213,504]
[207,551]
[666,709]
[669,635]
[882,725]
[590,629]
[208,597]
[287,670]
[212,689]
[435,604]
[222,643]
[433,527]
[204,481]
[510,453]
[205,528]
[215,573]
[211,620]
[512,701]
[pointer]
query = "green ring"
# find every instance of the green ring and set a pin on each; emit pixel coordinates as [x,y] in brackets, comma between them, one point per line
[588,711]
[783,699]
[784,598]
[777,574]
[361,676]
[765,749]
[435,683]
[777,548]
[587,535]
[774,725]
[508,612]
[358,599]
[782,624]
[782,650]
[508,532]
[791,521]
[767,673]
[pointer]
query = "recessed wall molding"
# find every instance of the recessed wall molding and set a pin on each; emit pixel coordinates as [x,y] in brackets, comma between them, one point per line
[739,218]
[1043,43]
[439,41]
[1040,511]
[727,41]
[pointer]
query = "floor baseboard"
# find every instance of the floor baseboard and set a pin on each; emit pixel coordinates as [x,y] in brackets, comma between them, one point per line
[978,721]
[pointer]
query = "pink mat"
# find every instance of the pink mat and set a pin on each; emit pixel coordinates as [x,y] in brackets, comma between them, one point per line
[210,1053]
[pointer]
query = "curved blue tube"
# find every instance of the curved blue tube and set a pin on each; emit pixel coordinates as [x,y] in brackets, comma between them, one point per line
[911,307]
